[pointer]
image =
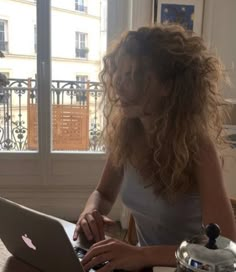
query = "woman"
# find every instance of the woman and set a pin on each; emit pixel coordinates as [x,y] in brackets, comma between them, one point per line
[164,123]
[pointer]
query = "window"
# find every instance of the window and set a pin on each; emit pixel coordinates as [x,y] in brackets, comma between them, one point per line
[46,93]
[3,35]
[80,6]
[18,91]
[3,82]
[81,45]
[45,107]
[81,96]
[82,79]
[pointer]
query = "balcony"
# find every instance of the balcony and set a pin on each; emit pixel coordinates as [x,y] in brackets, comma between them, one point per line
[81,53]
[4,46]
[81,8]
[77,119]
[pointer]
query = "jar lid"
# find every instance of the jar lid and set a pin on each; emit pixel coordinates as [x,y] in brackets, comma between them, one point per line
[210,252]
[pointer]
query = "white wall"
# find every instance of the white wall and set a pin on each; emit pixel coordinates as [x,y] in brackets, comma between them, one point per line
[21,19]
[93,6]
[64,26]
[218,30]
[124,15]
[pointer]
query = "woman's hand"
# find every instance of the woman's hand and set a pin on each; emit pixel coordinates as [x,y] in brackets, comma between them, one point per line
[115,254]
[92,224]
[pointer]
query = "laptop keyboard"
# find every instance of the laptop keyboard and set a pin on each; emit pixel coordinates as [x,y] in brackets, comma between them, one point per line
[80,252]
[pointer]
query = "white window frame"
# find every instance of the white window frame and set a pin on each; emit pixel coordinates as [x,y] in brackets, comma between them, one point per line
[5,31]
[35,38]
[81,43]
[81,6]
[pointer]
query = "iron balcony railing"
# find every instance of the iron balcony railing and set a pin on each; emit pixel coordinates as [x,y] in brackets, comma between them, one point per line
[18,108]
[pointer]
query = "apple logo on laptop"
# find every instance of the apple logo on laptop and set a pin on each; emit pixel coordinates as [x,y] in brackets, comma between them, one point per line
[28,241]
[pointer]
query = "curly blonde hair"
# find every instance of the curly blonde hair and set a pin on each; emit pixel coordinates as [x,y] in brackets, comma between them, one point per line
[192,110]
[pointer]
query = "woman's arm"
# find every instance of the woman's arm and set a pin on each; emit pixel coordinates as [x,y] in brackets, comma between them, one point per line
[159,255]
[99,204]
[104,196]
[216,206]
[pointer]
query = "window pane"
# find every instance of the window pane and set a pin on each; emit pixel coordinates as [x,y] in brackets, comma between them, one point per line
[18,95]
[77,118]
[81,5]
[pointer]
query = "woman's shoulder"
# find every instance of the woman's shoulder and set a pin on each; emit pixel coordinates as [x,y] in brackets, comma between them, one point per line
[209,162]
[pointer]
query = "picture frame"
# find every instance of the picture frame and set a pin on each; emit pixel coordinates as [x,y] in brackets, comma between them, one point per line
[188,13]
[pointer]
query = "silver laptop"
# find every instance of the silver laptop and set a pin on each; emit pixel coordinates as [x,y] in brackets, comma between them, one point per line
[41,240]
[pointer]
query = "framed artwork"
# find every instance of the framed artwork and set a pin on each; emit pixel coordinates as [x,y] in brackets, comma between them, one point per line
[188,13]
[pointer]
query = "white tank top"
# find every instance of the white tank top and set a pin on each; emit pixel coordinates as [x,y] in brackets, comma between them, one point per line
[159,222]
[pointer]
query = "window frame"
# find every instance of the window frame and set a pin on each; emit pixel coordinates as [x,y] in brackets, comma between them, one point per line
[80,5]
[5,35]
[45,153]
[82,79]
[35,38]
[43,23]
[81,45]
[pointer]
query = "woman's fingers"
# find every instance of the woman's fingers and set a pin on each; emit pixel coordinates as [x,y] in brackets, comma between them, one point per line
[95,252]
[100,225]
[102,259]
[76,232]
[116,255]
[103,242]
[108,267]
[85,226]
[93,226]
[101,253]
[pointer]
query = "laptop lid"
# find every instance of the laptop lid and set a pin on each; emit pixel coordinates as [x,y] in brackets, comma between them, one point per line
[37,238]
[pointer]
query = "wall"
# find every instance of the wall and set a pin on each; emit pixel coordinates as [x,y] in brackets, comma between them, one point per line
[218,28]
[65,22]
[124,15]
[218,31]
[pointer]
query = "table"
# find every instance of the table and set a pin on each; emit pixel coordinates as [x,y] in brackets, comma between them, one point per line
[10,264]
